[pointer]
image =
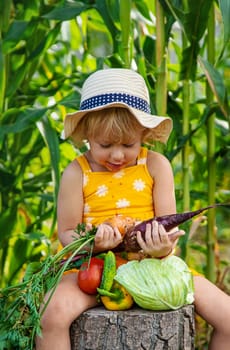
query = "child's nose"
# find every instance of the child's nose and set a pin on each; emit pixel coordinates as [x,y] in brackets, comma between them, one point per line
[117,155]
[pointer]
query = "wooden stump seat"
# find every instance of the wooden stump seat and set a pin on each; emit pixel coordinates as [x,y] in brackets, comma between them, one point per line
[134,329]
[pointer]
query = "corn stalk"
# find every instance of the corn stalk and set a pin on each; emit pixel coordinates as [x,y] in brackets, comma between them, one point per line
[185,130]
[5,7]
[161,83]
[185,150]
[211,234]
[125,20]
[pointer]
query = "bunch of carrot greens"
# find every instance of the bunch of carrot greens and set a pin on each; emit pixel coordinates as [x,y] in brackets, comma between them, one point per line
[20,304]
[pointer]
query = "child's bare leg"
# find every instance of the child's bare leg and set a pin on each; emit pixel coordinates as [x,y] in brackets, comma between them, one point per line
[213,305]
[66,304]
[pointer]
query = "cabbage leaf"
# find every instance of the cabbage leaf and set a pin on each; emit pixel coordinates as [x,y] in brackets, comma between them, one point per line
[158,284]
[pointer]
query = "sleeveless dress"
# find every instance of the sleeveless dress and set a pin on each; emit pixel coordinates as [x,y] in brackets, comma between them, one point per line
[127,192]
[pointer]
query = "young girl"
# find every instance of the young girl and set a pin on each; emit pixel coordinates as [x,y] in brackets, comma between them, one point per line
[118,176]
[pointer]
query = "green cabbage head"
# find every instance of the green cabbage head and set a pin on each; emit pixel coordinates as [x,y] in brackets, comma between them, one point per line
[158,284]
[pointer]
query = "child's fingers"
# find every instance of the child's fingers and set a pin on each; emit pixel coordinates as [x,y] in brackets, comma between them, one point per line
[117,234]
[175,235]
[152,237]
[103,233]
[140,240]
[164,237]
[107,237]
[89,226]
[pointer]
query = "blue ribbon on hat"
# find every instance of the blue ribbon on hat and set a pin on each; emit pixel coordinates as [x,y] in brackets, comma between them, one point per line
[104,99]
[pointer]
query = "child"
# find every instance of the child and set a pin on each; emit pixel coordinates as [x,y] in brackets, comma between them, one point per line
[118,176]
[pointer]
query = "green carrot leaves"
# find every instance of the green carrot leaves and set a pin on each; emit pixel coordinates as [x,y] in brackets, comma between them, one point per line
[20,311]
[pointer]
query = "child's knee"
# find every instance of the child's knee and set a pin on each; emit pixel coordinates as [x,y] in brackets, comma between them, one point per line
[55,314]
[65,306]
[60,310]
[212,304]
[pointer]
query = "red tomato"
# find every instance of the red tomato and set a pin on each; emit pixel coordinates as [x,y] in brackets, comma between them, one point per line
[90,274]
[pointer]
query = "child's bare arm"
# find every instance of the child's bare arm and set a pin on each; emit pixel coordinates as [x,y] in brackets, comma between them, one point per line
[70,203]
[164,201]
[157,241]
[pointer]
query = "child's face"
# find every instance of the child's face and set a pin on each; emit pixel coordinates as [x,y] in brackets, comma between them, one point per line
[113,156]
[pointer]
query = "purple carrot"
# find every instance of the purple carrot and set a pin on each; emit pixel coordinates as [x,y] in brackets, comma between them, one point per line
[168,221]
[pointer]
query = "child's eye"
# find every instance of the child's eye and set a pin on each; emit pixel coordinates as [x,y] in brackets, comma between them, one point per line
[128,145]
[105,145]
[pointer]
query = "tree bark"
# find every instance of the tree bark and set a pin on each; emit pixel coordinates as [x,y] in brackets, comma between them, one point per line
[134,329]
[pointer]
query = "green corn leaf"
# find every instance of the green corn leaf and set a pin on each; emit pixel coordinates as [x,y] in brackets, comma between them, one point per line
[216,84]
[142,8]
[46,42]
[193,22]
[104,10]
[225,12]
[99,39]
[16,81]
[5,12]
[72,100]
[50,137]
[2,78]
[24,120]
[66,11]
[189,62]
[19,30]
[7,223]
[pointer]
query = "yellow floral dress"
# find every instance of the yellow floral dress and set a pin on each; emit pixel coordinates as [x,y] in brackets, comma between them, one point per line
[127,192]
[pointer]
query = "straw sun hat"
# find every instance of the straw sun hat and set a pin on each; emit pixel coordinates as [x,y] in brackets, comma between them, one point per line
[118,87]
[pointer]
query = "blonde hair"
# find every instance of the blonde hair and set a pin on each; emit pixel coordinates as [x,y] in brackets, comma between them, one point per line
[117,124]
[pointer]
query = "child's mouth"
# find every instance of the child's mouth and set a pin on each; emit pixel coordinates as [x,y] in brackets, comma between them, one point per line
[114,167]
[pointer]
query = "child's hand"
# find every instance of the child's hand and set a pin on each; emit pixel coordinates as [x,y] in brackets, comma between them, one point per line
[158,243]
[106,237]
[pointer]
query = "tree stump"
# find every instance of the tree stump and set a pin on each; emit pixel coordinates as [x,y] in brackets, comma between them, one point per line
[134,329]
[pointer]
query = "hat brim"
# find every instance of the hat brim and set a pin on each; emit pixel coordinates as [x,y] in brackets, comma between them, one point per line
[162,126]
